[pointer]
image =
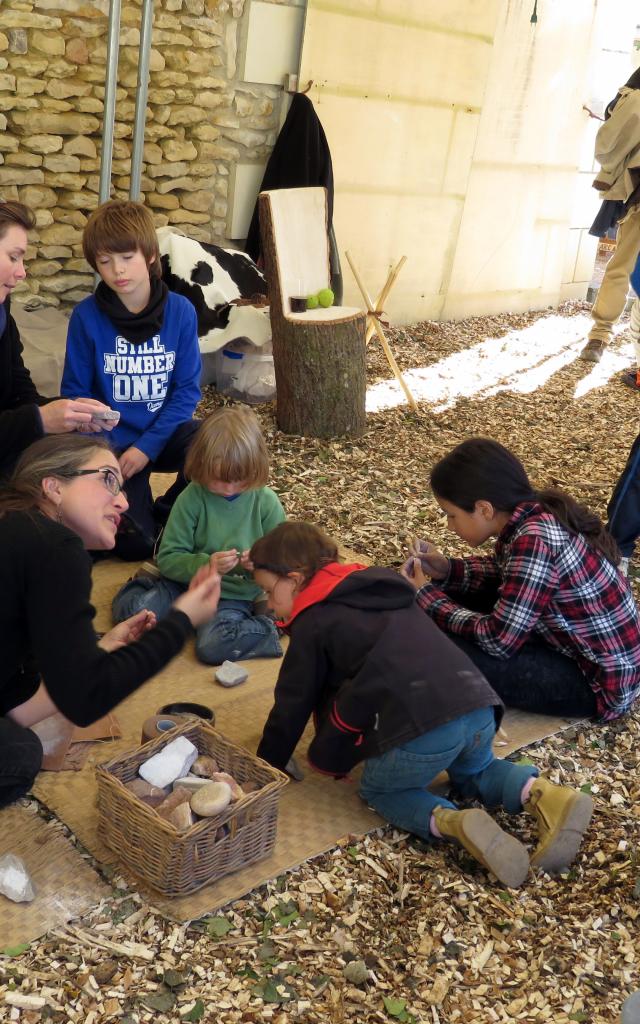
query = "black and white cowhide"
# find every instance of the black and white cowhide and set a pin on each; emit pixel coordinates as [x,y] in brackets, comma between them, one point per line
[211,278]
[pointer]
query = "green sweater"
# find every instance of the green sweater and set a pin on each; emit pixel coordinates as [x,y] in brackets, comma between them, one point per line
[201,523]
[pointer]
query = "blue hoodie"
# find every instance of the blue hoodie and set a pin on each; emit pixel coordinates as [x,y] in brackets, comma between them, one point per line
[155,386]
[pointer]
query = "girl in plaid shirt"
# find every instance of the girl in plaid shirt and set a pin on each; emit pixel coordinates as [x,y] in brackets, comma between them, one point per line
[548,618]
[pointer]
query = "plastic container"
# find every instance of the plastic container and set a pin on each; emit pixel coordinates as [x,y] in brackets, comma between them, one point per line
[246,372]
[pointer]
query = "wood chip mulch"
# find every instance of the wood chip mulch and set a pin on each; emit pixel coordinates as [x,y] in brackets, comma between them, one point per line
[386,928]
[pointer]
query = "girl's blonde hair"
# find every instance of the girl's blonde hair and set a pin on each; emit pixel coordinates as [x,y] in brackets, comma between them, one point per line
[55,455]
[121,225]
[229,446]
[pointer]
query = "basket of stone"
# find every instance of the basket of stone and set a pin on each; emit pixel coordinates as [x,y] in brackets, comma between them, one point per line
[188,808]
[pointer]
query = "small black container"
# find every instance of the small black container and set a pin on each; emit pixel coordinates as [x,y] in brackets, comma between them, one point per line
[186,709]
[298,304]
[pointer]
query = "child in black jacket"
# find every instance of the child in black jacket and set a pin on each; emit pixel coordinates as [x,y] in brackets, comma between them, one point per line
[386,687]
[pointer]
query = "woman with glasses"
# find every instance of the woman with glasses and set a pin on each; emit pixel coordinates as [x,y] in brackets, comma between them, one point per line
[65,497]
[24,414]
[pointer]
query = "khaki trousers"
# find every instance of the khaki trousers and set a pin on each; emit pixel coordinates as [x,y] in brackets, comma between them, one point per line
[612,296]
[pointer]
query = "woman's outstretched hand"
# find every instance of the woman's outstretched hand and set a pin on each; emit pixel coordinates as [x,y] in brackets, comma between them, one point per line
[129,631]
[200,602]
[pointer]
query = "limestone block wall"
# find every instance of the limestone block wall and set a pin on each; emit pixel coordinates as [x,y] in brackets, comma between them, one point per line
[200,120]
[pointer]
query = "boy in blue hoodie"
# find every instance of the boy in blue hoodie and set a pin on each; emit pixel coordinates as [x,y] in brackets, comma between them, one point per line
[134,346]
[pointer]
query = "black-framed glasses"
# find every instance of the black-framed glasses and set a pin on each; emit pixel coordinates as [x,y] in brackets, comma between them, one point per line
[109,478]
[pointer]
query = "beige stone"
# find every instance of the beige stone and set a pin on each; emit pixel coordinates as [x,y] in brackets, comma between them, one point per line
[58,124]
[124,182]
[187,217]
[8,143]
[160,220]
[59,234]
[205,151]
[163,20]
[60,69]
[20,176]
[185,115]
[188,60]
[167,202]
[162,116]
[223,152]
[63,282]
[170,186]
[88,73]
[48,42]
[202,170]
[76,50]
[121,149]
[23,159]
[4,42]
[205,132]
[89,105]
[57,106]
[93,183]
[173,5]
[43,143]
[44,268]
[161,95]
[121,166]
[198,201]
[86,29]
[89,9]
[198,6]
[209,82]
[19,103]
[62,90]
[212,26]
[185,96]
[61,162]
[38,197]
[7,83]
[74,217]
[4,63]
[204,40]
[63,180]
[76,295]
[169,78]
[32,66]
[79,264]
[3,123]
[171,38]
[43,219]
[245,137]
[28,86]
[87,164]
[169,170]
[130,37]
[220,208]
[27,19]
[53,252]
[154,132]
[179,149]
[152,153]
[80,145]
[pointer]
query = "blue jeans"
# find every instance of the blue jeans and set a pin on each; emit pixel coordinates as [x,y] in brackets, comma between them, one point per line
[233,634]
[395,784]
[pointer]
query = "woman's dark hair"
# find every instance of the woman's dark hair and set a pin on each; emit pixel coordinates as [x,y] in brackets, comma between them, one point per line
[294,547]
[480,469]
[12,212]
[57,455]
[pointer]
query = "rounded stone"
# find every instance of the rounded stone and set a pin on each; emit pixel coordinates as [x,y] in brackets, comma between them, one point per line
[211,799]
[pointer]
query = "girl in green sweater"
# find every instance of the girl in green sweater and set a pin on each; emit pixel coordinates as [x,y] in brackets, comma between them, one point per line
[214,522]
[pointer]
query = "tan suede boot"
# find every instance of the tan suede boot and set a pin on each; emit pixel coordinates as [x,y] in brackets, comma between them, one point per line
[562,815]
[483,838]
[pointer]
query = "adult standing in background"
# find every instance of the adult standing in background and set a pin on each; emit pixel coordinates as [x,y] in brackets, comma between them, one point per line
[25,415]
[618,153]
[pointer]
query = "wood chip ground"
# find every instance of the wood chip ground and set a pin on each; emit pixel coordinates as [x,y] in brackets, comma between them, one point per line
[384,928]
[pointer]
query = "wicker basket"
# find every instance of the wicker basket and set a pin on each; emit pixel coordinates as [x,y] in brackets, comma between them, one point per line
[176,863]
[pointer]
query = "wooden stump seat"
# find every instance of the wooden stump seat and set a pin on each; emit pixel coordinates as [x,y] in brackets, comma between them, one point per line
[318,355]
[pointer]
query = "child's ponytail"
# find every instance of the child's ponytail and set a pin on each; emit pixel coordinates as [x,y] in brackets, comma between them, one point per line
[480,469]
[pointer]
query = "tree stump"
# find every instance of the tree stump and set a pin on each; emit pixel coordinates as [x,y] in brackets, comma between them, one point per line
[320,364]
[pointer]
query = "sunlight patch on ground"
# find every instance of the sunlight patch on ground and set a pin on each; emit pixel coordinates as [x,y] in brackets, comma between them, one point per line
[519,361]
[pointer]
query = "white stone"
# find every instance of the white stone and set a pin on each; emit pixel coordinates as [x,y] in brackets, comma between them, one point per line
[230,674]
[15,882]
[169,764]
[191,782]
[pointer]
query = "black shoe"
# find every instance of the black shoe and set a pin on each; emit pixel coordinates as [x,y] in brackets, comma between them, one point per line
[132,545]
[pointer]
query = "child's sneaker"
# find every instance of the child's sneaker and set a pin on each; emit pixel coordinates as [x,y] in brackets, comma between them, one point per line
[483,838]
[563,816]
[593,351]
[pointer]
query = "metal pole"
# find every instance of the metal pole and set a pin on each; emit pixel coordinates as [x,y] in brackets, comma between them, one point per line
[141,99]
[110,86]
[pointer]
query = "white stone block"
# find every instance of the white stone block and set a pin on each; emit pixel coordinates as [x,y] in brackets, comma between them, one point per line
[171,763]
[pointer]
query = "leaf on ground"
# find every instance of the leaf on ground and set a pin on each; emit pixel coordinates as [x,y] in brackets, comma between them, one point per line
[218,926]
[160,1001]
[393,1006]
[16,950]
[174,979]
[196,1012]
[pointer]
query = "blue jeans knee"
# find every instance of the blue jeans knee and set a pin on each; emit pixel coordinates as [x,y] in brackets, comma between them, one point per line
[154,595]
[234,634]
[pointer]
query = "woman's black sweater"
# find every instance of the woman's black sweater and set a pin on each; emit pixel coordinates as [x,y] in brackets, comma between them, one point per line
[46,626]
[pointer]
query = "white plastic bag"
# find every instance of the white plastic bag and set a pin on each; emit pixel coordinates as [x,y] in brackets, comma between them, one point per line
[15,882]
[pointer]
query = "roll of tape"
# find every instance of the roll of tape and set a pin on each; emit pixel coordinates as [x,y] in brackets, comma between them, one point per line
[156,725]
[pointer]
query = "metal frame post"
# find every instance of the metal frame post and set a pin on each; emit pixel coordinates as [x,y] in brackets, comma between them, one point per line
[144,54]
[110,85]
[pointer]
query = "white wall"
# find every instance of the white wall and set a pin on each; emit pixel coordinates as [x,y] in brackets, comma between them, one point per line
[458,140]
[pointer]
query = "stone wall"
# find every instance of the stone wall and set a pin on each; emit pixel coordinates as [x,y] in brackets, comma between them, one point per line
[200,120]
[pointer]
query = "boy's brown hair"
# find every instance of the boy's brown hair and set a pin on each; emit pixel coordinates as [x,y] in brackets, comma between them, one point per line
[15,213]
[294,547]
[229,446]
[121,225]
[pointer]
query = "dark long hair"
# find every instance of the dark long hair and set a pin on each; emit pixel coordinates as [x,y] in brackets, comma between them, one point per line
[294,547]
[480,469]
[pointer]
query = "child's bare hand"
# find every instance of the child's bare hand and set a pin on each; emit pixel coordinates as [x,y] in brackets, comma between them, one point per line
[245,561]
[132,461]
[224,561]
[412,572]
[432,561]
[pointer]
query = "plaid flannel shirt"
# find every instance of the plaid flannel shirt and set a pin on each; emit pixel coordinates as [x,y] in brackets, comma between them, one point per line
[550,584]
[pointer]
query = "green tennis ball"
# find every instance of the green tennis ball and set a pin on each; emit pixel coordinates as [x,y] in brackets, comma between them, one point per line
[326,297]
[313,302]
